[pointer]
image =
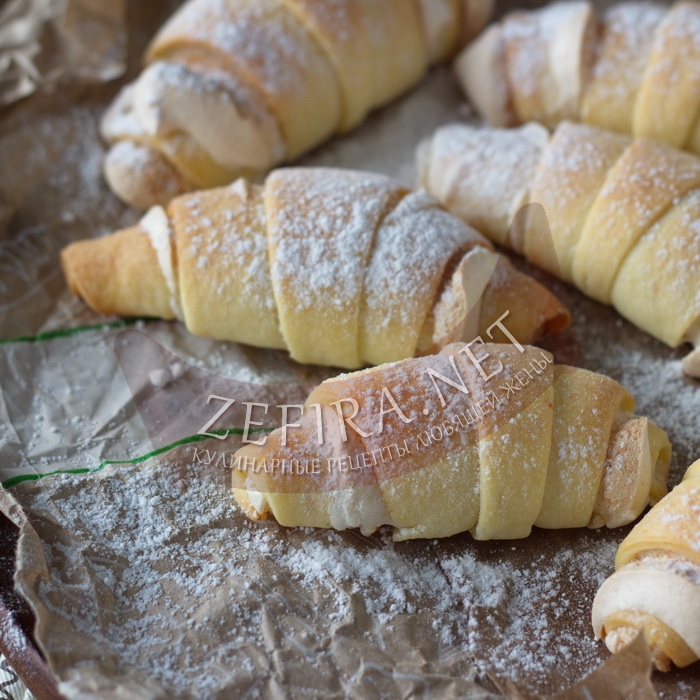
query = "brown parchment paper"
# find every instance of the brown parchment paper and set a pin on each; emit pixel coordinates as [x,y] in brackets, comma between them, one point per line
[145,578]
[43,42]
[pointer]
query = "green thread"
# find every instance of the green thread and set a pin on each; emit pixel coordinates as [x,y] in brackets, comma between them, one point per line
[13,481]
[68,332]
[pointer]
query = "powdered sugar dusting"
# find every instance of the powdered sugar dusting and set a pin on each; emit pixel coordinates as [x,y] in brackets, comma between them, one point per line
[668,253]
[574,156]
[677,48]
[483,175]
[623,52]
[251,33]
[245,591]
[513,607]
[324,222]
[528,37]
[658,561]
[411,250]
[227,231]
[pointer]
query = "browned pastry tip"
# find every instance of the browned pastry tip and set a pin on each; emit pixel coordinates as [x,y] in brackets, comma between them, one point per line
[117,274]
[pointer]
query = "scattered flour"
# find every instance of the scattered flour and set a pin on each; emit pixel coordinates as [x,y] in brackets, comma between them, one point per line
[161,578]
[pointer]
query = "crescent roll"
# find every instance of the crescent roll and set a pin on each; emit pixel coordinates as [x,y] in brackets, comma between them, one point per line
[338,267]
[494,439]
[233,88]
[634,68]
[621,218]
[656,588]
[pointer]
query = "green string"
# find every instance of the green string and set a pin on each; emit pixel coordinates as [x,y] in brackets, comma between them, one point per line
[67,332]
[137,460]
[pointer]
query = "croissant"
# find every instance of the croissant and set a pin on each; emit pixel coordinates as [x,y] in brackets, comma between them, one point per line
[482,437]
[635,69]
[623,213]
[656,587]
[339,267]
[235,87]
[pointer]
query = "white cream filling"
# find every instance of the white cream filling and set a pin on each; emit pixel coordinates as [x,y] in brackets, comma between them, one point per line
[362,507]
[157,225]
[119,121]
[240,188]
[221,115]
[256,498]
[670,597]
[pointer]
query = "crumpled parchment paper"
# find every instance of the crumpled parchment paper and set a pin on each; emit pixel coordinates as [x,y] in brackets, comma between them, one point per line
[44,41]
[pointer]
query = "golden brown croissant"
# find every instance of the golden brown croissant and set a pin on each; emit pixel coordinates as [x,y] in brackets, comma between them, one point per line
[488,438]
[656,588]
[635,69]
[236,87]
[623,213]
[339,267]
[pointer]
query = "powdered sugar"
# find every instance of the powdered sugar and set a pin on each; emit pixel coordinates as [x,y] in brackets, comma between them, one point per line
[324,222]
[244,590]
[483,176]
[651,372]
[264,38]
[623,51]
[656,560]
[676,49]
[534,56]
[228,233]
[411,249]
[576,158]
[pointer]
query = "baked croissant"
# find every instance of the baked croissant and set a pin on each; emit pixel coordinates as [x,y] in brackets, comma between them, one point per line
[494,443]
[339,267]
[623,213]
[656,587]
[235,87]
[635,69]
